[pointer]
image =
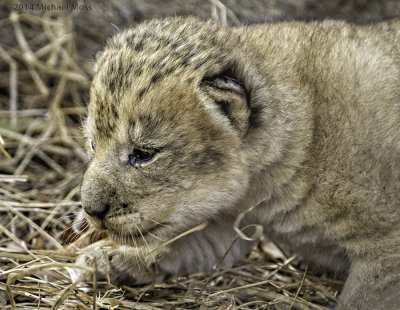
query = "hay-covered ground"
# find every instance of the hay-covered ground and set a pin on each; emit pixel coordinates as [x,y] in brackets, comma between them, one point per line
[43,91]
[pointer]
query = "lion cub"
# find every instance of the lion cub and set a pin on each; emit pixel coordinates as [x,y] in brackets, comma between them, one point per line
[190,122]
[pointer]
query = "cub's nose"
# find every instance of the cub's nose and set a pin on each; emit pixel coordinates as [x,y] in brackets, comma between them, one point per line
[97,193]
[97,211]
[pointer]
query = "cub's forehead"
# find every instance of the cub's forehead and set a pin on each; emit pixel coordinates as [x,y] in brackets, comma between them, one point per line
[151,107]
[183,40]
[142,56]
[151,68]
[132,90]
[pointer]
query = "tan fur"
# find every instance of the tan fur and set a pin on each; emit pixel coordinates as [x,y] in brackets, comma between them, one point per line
[301,119]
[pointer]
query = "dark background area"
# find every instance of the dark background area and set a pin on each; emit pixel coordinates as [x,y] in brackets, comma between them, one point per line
[93,26]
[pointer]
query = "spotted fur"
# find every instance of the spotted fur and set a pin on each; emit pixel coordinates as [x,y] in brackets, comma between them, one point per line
[299,120]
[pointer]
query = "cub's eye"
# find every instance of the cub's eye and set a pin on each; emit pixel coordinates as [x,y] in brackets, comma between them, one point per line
[140,156]
[92,145]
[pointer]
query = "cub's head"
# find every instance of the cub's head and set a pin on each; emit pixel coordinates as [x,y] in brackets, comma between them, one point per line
[171,105]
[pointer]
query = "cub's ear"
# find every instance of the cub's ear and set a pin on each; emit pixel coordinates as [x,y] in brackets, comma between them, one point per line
[229,95]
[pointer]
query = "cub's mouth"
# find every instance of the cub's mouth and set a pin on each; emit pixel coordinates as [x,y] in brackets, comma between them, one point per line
[132,233]
[94,222]
[125,234]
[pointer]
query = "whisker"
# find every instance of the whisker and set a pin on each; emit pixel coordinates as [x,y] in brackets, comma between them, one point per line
[144,240]
[154,236]
[165,225]
[65,219]
[59,220]
[136,248]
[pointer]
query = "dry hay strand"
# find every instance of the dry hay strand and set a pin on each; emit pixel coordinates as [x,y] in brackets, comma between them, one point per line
[43,88]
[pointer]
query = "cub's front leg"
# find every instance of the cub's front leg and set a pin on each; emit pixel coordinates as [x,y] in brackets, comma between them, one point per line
[125,264]
[373,283]
[199,251]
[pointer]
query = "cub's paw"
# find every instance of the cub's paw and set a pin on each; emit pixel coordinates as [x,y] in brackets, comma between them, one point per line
[124,265]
